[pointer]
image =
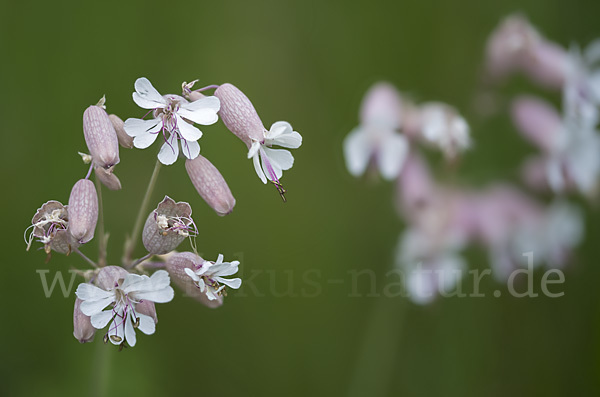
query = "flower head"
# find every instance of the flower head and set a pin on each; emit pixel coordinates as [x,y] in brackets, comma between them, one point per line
[240,117]
[123,296]
[167,226]
[209,276]
[443,127]
[50,226]
[173,118]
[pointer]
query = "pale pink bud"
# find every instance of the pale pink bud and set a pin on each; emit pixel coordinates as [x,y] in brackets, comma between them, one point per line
[239,115]
[108,178]
[537,120]
[83,330]
[147,307]
[83,211]
[167,226]
[382,105]
[100,137]
[124,140]
[547,65]
[108,277]
[176,264]
[210,184]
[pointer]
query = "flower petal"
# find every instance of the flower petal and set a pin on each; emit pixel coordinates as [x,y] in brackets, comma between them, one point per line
[135,127]
[89,292]
[169,151]
[146,96]
[281,134]
[357,151]
[159,296]
[147,324]
[253,149]
[99,320]
[129,330]
[188,131]
[258,169]
[190,149]
[392,154]
[191,273]
[279,158]
[234,283]
[91,307]
[202,111]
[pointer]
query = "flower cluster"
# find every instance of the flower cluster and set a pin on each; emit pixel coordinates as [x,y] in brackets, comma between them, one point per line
[444,218]
[122,297]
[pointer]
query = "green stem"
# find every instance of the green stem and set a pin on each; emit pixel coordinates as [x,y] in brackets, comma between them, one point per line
[101,370]
[137,228]
[88,260]
[377,356]
[102,241]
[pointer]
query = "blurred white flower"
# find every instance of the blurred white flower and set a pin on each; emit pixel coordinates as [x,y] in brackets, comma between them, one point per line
[443,127]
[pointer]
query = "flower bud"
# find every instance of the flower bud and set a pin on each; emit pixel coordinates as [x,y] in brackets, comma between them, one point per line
[108,178]
[210,184]
[415,188]
[176,264]
[239,115]
[83,330]
[124,140]
[167,226]
[100,137]
[83,211]
[108,277]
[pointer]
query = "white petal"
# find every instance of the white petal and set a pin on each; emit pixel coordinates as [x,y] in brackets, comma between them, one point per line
[253,149]
[89,308]
[234,283]
[357,151]
[391,156]
[86,291]
[146,96]
[280,158]
[159,296]
[281,134]
[227,270]
[169,151]
[135,127]
[203,111]
[147,324]
[99,320]
[116,330]
[190,149]
[191,273]
[219,259]
[129,330]
[188,131]
[258,169]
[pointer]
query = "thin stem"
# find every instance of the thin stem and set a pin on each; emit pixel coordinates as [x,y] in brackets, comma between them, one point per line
[377,356]
[208,87]
[88,260]
[102,242]
[137,228]
[101,370]
[89,173]
[140,260]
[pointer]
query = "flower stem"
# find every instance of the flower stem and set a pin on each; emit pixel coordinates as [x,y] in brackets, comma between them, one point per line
[130,243]
[101,370]
[88,260]
[376,358]
[89,173]
[140,260]
[102,242]
[208,87]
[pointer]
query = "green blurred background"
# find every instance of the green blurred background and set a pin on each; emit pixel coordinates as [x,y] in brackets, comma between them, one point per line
[306,62]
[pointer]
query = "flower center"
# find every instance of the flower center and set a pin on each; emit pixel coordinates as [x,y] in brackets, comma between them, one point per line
[182,225]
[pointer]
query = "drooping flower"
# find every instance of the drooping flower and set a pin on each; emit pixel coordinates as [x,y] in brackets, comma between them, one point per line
[83,210]
[173,118]
[210,184]
[83,330]
[50,226]
[177,264]
[377,137]
[209,276]
[100,136]
[241,118]
[167,226]
[123,296]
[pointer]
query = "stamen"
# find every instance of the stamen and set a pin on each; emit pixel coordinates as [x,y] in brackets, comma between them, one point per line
[116,338]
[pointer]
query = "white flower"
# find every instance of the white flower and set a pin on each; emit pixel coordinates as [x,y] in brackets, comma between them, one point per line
[376,137]
[123,298]
[208,276]
[443,127]
[274,161]
[173,115]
